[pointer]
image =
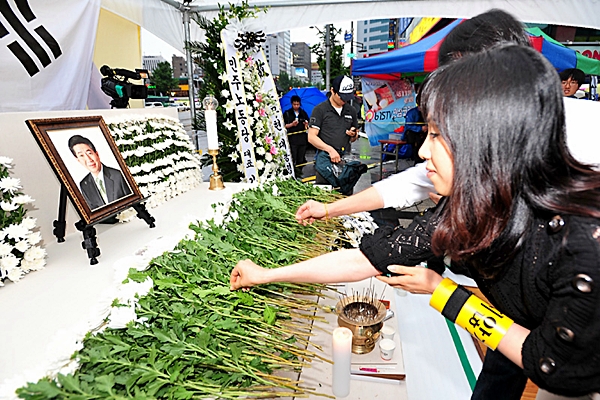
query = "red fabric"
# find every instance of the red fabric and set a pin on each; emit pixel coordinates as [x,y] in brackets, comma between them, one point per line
[536,42]
[430,61]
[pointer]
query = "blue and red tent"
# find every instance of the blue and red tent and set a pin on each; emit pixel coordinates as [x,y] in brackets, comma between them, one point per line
[422,56]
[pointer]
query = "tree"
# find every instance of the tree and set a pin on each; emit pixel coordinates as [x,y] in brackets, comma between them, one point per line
[162,78]
[286,82]
[336,54]
[207,55]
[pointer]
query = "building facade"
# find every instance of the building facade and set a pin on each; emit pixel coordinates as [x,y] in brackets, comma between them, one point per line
[179,67]
[377,36]
[150,62]
[316,75]
[301,62]
[278,52]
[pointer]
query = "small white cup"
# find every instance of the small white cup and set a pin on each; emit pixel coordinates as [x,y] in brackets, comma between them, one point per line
[386,348]
[387,332]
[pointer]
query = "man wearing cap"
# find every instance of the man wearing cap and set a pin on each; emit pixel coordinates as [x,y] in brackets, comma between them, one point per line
[333,123]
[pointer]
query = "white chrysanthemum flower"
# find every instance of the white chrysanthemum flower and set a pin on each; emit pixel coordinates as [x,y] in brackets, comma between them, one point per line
[23,199]
[15,231]
[223,77]
[240,168]
[29,222]
[9,184]
[36,265]
[22,245]
[34,238]
[6,161]
[260,151]
[34,253]
[268,157]
[276,191]
[8,262]
[15,274]
[5,249]
[8,206]
[225,93]
[260,164]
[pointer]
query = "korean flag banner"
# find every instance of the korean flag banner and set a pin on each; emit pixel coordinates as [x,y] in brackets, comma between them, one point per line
[46,50]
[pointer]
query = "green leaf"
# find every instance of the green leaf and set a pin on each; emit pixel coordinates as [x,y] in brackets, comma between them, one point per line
[270,315]
[105,383]
[47,389]
[236,351]
[69,382]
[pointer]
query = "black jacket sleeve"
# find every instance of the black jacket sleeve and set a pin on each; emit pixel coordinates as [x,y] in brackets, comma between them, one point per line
[562,355]
[401,246]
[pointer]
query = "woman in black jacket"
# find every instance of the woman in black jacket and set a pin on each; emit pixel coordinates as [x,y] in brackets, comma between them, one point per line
[519,212]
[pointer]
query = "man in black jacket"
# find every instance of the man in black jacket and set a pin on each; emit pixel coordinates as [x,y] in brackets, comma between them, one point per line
[296,124]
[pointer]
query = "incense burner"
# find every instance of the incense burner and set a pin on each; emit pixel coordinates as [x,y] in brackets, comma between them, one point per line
[363,315]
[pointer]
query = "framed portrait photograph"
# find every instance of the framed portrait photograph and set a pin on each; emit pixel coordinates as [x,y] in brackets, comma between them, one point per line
[88,163]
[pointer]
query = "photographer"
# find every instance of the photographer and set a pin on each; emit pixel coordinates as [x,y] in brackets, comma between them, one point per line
[296,123]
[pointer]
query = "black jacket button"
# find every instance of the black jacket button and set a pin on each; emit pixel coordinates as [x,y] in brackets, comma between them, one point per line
[547,365]
[583,283]
[556,224]
[565,334]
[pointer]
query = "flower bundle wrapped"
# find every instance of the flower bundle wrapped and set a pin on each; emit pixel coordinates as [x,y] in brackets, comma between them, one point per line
[19,249]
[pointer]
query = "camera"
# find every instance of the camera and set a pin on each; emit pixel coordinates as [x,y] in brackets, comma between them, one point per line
[116,85]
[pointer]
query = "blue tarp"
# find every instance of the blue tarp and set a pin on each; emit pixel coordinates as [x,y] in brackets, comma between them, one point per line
[310,97]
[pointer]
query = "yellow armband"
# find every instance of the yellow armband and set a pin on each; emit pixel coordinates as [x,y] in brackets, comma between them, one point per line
[471,313]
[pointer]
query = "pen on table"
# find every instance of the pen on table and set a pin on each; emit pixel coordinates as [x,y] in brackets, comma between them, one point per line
[365,369]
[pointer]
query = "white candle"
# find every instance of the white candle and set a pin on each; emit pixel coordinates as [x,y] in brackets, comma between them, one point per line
[211,129]
[342,354]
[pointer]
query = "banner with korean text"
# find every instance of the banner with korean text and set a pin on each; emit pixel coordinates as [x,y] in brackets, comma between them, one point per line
[257,112]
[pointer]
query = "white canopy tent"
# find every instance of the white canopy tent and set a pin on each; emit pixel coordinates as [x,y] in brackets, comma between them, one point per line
[163,19]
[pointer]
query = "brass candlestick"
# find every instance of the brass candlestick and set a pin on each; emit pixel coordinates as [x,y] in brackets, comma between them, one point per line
[216,179]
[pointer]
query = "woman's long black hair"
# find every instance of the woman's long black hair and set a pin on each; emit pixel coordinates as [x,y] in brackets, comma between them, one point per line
[501,113]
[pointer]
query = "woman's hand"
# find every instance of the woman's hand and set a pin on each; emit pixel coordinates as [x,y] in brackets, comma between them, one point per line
[246,274]
[417,280]
[310,211]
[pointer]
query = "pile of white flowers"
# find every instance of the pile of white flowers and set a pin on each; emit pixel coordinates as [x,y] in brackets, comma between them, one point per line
[160,156]
[19,250]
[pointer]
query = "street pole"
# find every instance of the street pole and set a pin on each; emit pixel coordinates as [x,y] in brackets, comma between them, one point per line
[190,69]
[327,56]
[352,39]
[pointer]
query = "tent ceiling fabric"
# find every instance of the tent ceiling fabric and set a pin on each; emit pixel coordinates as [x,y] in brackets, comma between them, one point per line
[165,21]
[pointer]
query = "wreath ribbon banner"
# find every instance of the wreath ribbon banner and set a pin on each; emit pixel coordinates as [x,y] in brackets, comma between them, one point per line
[236,85]
[275,114]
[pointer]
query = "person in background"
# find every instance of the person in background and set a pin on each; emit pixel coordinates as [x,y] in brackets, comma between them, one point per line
[412,185]
[296,124]
[416,129]
[571,80]
[518,211]
[333,124]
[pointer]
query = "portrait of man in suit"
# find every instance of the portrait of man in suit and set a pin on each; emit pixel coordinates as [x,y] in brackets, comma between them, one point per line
[103,184]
